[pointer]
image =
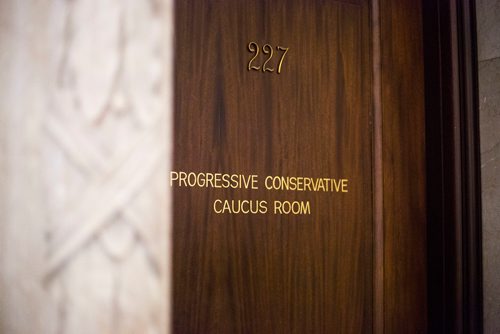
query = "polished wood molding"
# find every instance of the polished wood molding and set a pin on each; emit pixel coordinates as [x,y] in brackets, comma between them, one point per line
[453,180]
[403,160]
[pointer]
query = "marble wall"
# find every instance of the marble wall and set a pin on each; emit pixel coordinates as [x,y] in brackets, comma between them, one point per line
[85,104]
[488,29]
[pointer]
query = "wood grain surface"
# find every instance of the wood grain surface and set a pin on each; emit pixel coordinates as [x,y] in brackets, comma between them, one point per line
[403,135]
[271,273]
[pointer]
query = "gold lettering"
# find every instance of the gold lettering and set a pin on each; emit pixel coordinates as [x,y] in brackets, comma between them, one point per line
[236,209]
[240,206]
[173,176]
[294,208]
[321,185]
[246,181]
[210,179]
[300,184]
[243,209]
[307,184]
[281,48]
[267,50]
[251,181]
[255,180]
[226,207]
[262,207]
[344,185]
[182,178]
[265,182]
[225,181]
[337,184]
[277,207]
[217,178]
[253,47]
[191,179]
[215,208]
[200,179]
[234,181]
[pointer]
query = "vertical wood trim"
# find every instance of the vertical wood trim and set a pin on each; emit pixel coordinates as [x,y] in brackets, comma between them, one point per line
[378,216]
[454,208]
[471,180]
[403,139]
[454,88]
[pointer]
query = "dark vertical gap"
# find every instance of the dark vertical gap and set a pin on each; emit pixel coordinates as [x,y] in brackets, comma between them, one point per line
[434,170]
[444,259]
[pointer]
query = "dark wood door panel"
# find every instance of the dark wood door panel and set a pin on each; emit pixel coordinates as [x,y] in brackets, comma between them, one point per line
[331,112]
[273,273]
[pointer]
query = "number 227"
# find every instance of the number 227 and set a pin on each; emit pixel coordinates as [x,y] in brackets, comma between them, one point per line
[267,50]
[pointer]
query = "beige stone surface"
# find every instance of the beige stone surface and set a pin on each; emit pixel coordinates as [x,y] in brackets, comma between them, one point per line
[488,39]
[489,94]
[85,107]
[488,29]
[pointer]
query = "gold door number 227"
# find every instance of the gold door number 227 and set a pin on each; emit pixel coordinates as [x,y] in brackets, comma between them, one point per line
[269,51]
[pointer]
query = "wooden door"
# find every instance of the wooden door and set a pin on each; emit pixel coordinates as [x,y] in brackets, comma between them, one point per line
[298,174]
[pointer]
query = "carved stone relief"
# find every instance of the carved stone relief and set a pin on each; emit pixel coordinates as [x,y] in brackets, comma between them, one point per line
[86,224]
